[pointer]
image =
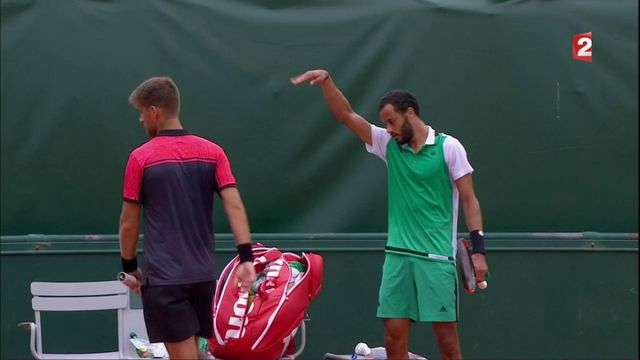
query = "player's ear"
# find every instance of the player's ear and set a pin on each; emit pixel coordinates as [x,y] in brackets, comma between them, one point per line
[154,110]
[411,111]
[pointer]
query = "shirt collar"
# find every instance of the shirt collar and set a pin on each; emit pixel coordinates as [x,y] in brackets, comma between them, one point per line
[430,140]
[172,132]
[431,137]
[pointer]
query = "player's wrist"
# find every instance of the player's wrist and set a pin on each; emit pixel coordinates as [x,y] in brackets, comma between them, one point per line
[245,253]
[477,242]
[129,265]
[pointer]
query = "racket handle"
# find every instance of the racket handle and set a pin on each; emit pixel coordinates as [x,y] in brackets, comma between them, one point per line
[127,279]
[483,284]
[465,266]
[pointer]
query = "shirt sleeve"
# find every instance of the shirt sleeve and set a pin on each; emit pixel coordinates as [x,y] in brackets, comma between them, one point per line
[132,180]
[456,158]
[379,140]
[223,174]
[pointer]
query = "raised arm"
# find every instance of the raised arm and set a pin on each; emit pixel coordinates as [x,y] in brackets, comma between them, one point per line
[337,102]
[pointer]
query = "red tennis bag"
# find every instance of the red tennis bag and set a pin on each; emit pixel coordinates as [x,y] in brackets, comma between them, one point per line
[261,323]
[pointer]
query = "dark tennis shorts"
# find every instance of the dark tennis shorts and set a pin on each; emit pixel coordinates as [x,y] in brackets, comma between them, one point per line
[174,313]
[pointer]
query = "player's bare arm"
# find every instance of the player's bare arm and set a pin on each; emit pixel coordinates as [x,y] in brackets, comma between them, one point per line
[234,208]
[128,232]
[473,218]
[337,102]
[129,229]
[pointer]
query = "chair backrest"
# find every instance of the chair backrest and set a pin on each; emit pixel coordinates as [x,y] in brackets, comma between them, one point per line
[80,296]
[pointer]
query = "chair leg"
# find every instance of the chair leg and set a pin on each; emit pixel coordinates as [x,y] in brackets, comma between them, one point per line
[303,340]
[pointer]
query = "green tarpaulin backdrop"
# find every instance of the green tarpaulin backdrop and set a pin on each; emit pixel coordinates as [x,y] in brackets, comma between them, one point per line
[554,141]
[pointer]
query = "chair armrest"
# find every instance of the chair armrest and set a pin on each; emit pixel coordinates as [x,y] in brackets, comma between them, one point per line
[27,325]
[32,342]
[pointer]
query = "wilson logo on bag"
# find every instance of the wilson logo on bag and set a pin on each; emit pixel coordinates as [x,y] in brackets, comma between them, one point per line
[260,323]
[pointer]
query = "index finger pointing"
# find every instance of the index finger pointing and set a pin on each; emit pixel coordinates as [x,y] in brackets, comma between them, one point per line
[298,79]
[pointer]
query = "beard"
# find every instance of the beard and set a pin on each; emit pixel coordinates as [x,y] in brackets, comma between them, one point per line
[406,132]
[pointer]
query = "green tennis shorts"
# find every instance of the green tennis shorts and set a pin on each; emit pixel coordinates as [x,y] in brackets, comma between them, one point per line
[418,289]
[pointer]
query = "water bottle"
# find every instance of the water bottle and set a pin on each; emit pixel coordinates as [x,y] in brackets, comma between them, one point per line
[141,346]
[362,350]
[378,353]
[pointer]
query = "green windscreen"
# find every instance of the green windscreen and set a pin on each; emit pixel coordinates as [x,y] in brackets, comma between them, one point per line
[553,140]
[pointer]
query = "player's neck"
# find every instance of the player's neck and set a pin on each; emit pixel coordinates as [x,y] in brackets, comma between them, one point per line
[420,133]
[171,124]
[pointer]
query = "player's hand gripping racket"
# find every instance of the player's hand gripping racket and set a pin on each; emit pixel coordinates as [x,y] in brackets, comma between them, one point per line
[130,281]
[466,269]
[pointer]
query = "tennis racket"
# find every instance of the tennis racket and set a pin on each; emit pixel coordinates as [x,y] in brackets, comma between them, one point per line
[466,269]
[127,279]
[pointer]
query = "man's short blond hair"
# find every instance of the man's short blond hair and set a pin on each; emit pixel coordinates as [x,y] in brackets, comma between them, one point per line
[160,91]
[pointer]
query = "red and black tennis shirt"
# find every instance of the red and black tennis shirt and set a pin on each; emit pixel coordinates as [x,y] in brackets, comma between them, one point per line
[174,176]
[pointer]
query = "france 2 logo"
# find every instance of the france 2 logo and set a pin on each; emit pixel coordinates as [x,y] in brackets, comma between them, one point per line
[582,44]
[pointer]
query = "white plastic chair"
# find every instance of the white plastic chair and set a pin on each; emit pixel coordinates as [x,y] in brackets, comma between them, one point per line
[302,329]
[85,296]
